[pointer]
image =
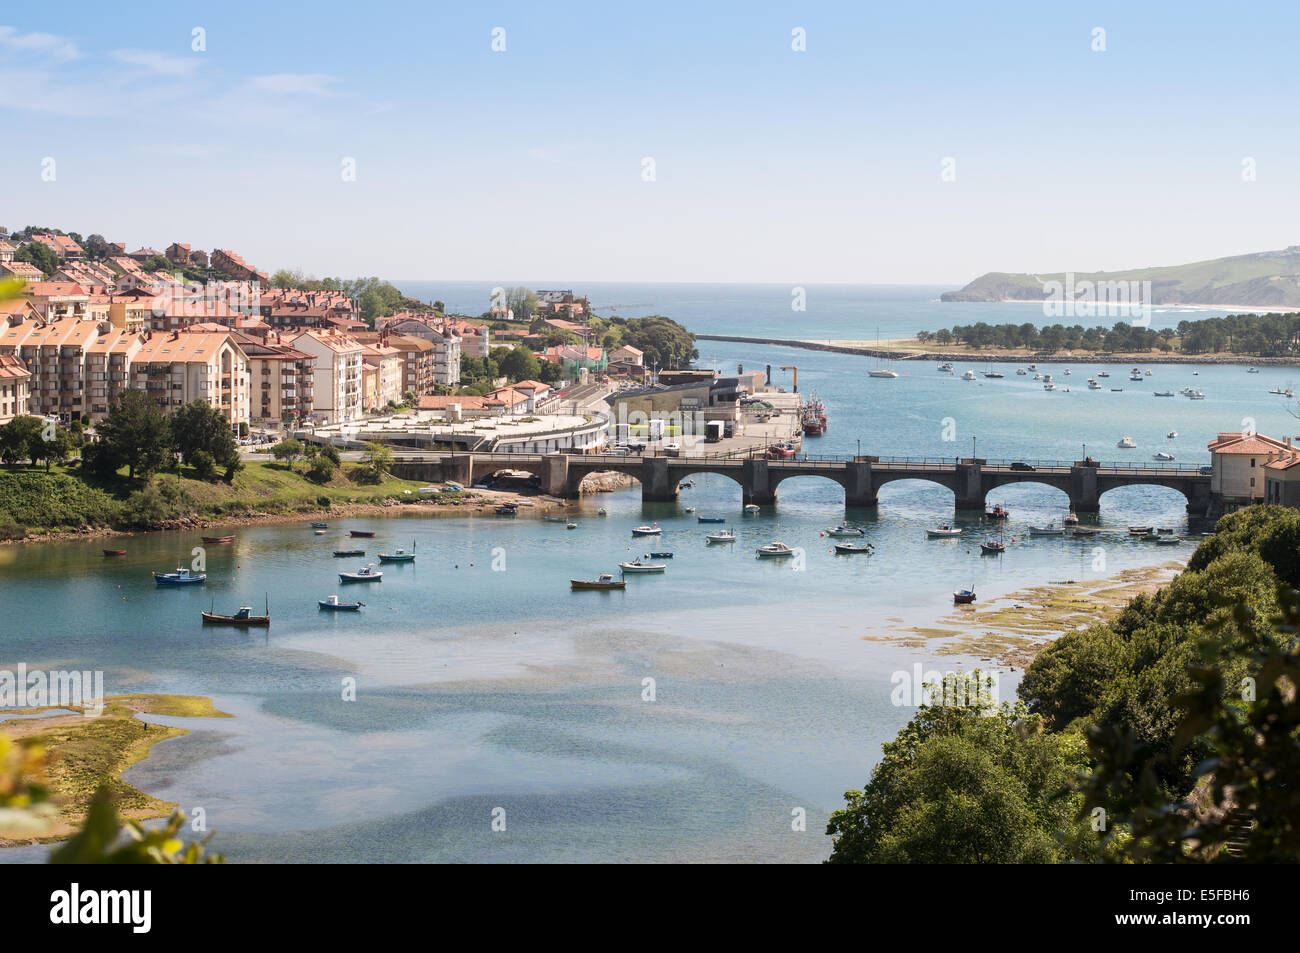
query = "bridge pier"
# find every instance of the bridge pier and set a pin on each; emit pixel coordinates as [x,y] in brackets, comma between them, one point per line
[859,488]
[969,485]
[1085,495]
[756,483]
[656,487]
[555,476]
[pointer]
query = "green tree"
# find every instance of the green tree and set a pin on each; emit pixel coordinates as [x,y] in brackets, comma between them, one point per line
[20,439]
[200,428]
[135,434]
[288,451]
[377,460]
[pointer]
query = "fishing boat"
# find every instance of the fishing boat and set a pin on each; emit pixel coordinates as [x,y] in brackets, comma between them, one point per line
[637,565]
[725,536]
[943,531]
[115,552]
[1102,374]
[399,556]
[1139,530]
[317,524]
[1126,443]
[1083,531]
[845,549]
[963,597]
[1093,385]
[812,418]
[333,605]
[349,552]
[774,550]
[1168,540]
[1135,375]
[1162,455]
[1033,367]
[507,509]
[605,581]
[1051,529]
[993,547]
[243,617]
[1276,390]
[994,375]
[998,512]
[218,539]
[361,533]
[367,574]
[647,530]
[1196,395]
[752,508]
[843,532]
[1071,519]
[181,577]
[710,519]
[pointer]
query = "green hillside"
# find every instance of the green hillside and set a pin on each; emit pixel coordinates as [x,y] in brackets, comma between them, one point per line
[1262,279]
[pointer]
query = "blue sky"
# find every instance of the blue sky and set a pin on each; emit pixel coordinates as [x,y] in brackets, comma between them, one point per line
[770,164]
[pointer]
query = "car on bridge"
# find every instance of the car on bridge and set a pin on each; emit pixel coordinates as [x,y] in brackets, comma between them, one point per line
[1205,471]
[1020,465]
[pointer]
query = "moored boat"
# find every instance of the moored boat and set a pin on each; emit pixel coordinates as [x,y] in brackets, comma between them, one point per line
[1083,531]
[847,548]
[349,552]
[367,574]
[943,531]
[1139,530]
[181,577]
[1126,443]
[652,530]
[1051,529]
[998,512]
[606,581]
[361,533]
[317,524]
[993,546]
[774,550]
[844,532]
[725,536]
[218,539]
[398,556]
[115,552]
[752,508]
[333,604]
[710,519]
[963,597]
[243,617]
[636,565]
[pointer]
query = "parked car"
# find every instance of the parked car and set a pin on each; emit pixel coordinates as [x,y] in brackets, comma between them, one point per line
[672,449]
[1205,471]
[1019,465]
[616,451]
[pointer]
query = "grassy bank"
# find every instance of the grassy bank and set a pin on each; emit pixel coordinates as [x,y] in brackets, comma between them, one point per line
[34,503]
[82,753]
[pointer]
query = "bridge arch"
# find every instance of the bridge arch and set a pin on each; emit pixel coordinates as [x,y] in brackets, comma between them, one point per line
[904,485]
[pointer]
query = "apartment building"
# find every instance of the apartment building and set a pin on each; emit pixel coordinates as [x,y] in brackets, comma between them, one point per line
[283,378]
[337,395]
[386,362]
[180,367]
[15,381]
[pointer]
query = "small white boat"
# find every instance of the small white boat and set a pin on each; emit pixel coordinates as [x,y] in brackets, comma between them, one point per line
[945,367]
[1051,529]
[882,373]
[1161,455]
[943,531]
[1093,385]
[968,376]
[368,574]
[637,565]
[1252,370]
[1168,540]
[1126,443]
[1071,519]
[752,507]
[725,536]
[842,531]
[1139,531]
[774,550]
[1021,371]
[1196,395]
[1102,374]
[845,549]
[1163,393]
[1147,372]
[1033,367]
[1172,434]
[1049,386]
[647,530]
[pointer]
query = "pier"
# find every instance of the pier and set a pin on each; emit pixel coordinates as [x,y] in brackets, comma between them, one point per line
[969,479]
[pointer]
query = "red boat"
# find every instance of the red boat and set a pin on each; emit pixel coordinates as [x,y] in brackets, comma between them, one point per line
[218,539]
[115,552]
[361,533]
[998,512]
[813,419]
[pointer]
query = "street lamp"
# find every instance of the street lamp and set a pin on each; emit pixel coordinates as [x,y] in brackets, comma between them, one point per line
[972,447]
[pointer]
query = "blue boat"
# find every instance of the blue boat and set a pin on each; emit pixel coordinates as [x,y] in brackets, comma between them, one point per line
[181,577]
[318,525]
[658,556]
[711,519]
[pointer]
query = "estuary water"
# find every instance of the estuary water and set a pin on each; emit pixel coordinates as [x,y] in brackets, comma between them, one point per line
[695,716]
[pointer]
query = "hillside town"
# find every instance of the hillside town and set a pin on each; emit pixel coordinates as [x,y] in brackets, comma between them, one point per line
[184,324]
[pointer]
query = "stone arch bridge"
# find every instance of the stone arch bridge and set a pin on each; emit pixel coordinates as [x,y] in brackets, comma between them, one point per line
[861,477]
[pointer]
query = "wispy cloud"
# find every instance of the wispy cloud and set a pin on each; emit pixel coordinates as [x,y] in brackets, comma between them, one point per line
[159,64]
[289,84]
[44,43]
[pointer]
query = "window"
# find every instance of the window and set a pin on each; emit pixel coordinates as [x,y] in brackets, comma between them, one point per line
[1252,463]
